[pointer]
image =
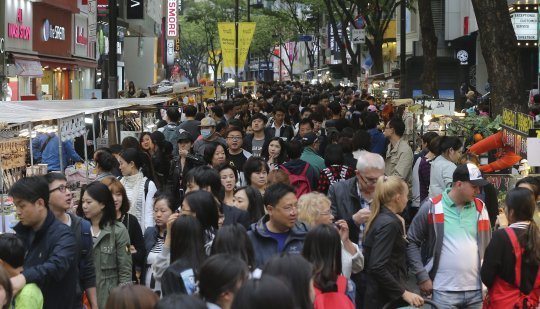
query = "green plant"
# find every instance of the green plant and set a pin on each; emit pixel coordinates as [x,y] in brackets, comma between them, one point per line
[470,125]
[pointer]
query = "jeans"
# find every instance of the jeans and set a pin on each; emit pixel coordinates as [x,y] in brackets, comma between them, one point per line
[458,300]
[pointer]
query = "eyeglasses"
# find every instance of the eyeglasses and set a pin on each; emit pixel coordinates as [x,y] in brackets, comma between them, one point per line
[234,138]
[371,180]
[61,188]
[290,209]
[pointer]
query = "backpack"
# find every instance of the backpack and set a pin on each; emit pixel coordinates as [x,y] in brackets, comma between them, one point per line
[330,176]
[300,182]
[172,133]
[332,300]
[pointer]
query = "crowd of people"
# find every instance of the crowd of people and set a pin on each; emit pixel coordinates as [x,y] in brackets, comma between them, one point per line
[295,196]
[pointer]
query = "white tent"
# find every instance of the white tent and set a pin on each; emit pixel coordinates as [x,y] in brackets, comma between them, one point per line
[29,111]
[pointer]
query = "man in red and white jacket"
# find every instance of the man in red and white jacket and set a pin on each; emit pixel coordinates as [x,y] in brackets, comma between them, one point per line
[447,240]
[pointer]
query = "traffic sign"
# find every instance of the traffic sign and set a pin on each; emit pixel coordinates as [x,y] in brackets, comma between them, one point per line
[305,38]
[358,36]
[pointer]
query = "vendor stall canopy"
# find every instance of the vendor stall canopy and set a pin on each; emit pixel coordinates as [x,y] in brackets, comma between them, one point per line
[16,112]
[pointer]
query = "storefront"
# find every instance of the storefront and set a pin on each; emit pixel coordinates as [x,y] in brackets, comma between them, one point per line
[52,40]
[84,51]
[19,62]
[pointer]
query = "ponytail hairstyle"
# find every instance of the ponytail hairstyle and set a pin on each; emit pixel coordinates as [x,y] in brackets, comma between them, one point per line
[521,204]
[142,162]
[386,189]
[442,144]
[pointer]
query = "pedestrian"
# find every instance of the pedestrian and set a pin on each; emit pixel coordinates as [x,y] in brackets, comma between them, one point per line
[45,150]
[140,189]
[49,244]
[446,228]
[203,206]
[233,240]
[254,142]
[267,292]
[274,152]
[279,230]
[154,238]
[385,245]
[229,177]
[215,154]
[209,134]
[136,240]
[399,155]
[421,173]
[111,251]
[186,255]
[310,154]
[235,152]
[447,150]
[510,268]
[220,277]
[256,173]
[304,177]
[189,124]
[335,169]
[296,272]
[249,199]
[131,297]
[278,126]
[106,164]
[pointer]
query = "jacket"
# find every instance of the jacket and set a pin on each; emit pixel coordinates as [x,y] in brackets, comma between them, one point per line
[440,177]
[150,239]
[135,239]
[50,154]
[311,157]
[345,202]
[248,140]
[83,259]
[385,259]
[297,166]
[178,278]
[177,173]
[265,246]
[232,215]
[285,132]
[399,161]
[426,234]
[50,261]
[112,259]
[378,141]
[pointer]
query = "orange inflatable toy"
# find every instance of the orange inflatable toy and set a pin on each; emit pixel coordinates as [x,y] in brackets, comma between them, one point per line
[507,158]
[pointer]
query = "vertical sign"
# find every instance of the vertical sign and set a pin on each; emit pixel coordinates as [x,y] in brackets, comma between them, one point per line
[172,18]
[170,52]
[135,9]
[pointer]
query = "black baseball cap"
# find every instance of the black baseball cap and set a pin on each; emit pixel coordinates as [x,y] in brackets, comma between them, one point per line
[184,136]
[309,139]
[469,172]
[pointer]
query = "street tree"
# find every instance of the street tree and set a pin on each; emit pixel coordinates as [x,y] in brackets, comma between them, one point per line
[193,51]
[500,50]
[429,47]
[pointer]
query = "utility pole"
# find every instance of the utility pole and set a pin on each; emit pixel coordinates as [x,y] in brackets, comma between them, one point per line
[113,69]
[247,75]
[402,49]
[236,8]
[280,58]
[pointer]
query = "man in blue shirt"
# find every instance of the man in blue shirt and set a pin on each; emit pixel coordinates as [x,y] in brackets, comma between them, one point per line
[45,149]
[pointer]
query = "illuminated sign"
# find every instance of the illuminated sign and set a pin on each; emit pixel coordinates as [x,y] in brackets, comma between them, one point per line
[81,37]
[172,18]
[49,31]
[525,25]
[18,30]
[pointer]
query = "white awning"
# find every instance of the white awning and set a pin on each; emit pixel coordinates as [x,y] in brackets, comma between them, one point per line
[30,111]
[28,68]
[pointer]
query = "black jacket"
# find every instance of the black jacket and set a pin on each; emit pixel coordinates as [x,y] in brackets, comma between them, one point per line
[232,215]
[248,140]
[136,239]
[50,261]
[286,131]
[178,278]
[84,258]
[175,183]
[345,203]
[385,260]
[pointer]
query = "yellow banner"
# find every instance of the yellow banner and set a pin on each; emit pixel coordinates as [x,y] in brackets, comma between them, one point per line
[209,92]
[227,39]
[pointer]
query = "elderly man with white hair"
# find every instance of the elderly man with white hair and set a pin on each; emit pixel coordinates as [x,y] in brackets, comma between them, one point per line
[351,199]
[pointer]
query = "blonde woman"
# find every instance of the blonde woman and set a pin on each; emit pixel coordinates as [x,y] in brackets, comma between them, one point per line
[314,209]
[384,245]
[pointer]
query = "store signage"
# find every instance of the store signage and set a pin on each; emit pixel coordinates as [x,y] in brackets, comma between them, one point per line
[81,37]
[135,9]
[463,57]
[516,128]
[170,52]
[525,25]
[18,30]
[172,18]
[177,45]
[52,32]
[2,43]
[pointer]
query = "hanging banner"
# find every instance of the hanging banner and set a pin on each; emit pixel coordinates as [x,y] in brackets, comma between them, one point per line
[227,41]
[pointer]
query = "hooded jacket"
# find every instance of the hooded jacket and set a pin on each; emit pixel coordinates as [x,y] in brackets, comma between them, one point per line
[265,246]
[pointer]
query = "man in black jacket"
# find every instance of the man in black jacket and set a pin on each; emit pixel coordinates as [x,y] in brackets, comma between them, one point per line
[60,198]
[50,245]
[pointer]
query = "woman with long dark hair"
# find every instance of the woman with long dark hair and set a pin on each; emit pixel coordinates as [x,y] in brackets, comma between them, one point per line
[138,181]
[322,248]
[233,240]
[112,257]
[154,239]
[249,199]
[187,254]
[274,152]
[121,204]
[510,268]
[385,244]
[296,272]
[229,177]
[256,173]
[203,206]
